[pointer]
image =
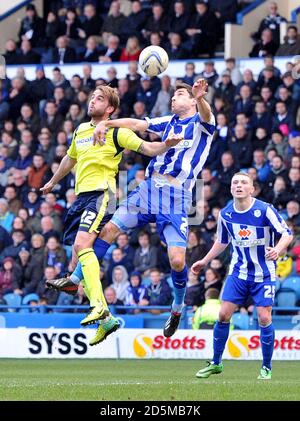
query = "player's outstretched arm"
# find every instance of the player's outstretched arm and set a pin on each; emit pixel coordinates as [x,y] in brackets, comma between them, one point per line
[64,168]
[126,123]
[214,252]
[199,91]
[157,148]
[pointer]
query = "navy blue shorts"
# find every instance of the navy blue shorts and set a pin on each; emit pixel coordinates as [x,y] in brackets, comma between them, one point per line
[88,213]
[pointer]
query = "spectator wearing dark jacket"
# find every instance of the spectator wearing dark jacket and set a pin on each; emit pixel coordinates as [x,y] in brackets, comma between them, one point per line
[114,22]
[195,249]
[157,22]
[52,120]
[146,93]
[18,95]
[92,22]
[261,117]
[225,175]
[146,255]
[112,52]
[279,196]
[272,22]
[62,54]
[268,79]
[30,118]
[135,21]
[240,146]
[49,296]
[55,255]
[91,52]
[41,87]
[11,55]
[178,22]
[5,239]
[219,143]
[127,250]
[117,259]
[159,291]
[32,26]
[71,25]
[19,244]
[282,119]
[201,30]
[247,80]
[194,291]
[245,103]
[209,73]
[278,169]
[294,183]
[31,272]
[52,29]
[27,55]
[226,88]
[112,300]
[265,46]
[175,49]
[291,45]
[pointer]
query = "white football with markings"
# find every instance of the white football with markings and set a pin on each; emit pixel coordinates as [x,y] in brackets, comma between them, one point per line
[153,60]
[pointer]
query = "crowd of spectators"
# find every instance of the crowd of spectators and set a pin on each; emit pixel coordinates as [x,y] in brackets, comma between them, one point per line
[111,31]
[258,130]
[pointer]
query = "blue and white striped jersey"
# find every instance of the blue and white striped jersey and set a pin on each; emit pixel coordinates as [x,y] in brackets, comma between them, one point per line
[186,160]
[250,232]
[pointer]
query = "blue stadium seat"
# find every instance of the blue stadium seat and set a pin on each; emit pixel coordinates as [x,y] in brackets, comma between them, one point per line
[240,321]
[292,283]
[12,299]
[286,298]
[26,300]
[30,297]
[277,285]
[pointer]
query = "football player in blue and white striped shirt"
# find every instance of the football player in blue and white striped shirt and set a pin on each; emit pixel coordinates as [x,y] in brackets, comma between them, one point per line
[252,227]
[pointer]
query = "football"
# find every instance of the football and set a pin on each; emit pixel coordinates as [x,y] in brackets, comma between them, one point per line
[153,60]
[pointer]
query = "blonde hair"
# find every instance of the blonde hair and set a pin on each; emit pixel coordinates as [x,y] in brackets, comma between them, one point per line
[243,173]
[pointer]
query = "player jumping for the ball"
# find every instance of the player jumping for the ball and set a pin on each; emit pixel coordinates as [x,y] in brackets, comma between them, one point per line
[251,226]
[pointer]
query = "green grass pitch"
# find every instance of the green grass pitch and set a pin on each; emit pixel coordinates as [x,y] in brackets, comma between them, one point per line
[109,380]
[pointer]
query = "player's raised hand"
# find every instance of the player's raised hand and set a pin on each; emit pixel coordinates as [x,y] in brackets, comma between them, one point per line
[47,188]
[173,139]
[271,254]
[200,88]
[198,266]
[99,134]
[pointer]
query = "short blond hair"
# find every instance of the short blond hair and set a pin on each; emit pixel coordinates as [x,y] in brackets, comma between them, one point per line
[243,173]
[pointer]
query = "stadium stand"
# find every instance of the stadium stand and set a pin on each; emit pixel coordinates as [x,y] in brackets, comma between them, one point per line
[55,58]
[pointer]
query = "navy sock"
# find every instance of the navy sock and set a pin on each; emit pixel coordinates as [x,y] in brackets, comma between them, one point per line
[267,335]
[221,332]
[100,248]
[179,282]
